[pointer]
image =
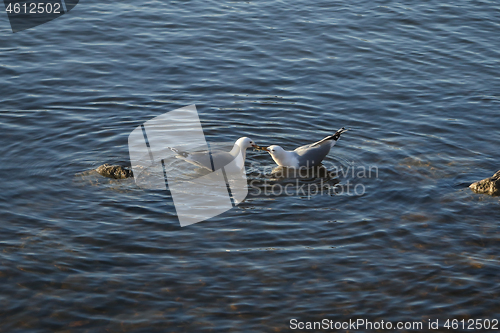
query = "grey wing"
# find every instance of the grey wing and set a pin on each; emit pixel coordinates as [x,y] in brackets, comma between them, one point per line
[218,159]
[221,159]
[312,155]
[201,159]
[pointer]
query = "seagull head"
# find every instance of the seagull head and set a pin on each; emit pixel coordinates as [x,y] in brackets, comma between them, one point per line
[275,151]
[245,143]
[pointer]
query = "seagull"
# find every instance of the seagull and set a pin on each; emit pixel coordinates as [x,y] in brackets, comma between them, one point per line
[218,159]
[305,156]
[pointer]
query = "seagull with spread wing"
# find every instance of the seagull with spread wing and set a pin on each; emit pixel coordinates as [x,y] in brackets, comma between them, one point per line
[305,156]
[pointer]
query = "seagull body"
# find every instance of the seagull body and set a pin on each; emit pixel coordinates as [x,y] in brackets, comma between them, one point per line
[219,159]
[305,156]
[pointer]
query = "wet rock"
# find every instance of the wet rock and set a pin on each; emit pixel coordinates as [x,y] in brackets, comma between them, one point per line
[489,186]
[114,171]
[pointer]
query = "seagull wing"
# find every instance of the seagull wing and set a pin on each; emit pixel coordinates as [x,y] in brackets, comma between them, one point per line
[312,155]
[201,159]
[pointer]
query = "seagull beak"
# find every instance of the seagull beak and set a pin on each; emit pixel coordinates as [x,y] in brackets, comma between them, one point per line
[255,146]
[265,148]
[259,148]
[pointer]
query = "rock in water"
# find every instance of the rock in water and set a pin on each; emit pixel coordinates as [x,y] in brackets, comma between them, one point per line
[114,171]
[489,186]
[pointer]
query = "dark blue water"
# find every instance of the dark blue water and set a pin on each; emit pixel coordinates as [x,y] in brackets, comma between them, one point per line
[417,83]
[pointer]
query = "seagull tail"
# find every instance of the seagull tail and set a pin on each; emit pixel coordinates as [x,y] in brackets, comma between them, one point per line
[336,136]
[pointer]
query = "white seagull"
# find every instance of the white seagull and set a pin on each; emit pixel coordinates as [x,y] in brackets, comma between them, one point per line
[305,156]
[218,159]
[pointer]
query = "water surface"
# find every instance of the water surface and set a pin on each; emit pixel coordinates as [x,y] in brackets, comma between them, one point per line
[418,84]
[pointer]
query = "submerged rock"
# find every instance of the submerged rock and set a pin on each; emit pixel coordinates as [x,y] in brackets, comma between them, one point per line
[489,186]
[114,171]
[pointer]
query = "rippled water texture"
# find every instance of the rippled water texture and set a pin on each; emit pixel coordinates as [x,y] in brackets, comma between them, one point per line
[416,82]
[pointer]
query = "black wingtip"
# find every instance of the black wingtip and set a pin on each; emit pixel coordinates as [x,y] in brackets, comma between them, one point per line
[336,136]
